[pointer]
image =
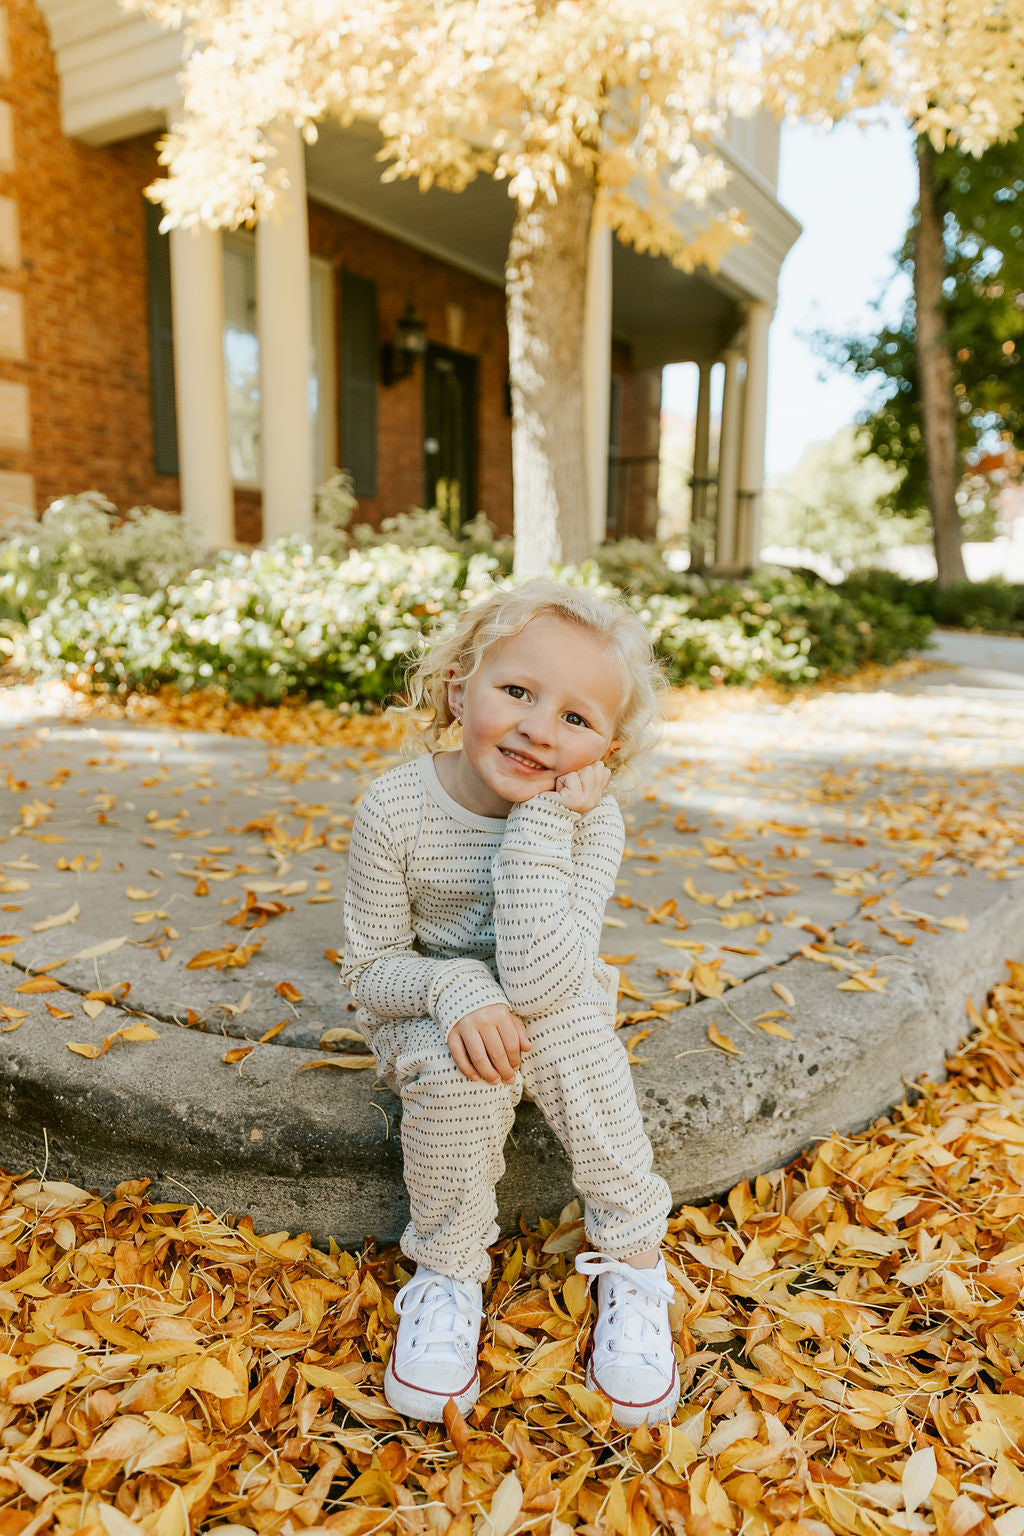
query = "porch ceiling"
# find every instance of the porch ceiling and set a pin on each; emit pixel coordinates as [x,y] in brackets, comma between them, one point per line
[664,314]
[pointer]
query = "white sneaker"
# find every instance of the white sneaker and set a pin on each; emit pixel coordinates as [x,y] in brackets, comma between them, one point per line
[435,1349]
[630,1357]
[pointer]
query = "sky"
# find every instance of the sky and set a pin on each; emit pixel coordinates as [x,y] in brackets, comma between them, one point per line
[853,190]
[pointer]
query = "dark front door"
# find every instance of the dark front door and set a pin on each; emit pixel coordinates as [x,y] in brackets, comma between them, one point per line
[449,438]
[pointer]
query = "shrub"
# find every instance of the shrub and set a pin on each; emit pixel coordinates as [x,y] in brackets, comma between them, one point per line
[337,616]
[276,621]
[995,606]
[79,546]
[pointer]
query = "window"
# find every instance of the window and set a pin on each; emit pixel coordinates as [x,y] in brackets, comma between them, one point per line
[242,361]
[241,358]
[242,364]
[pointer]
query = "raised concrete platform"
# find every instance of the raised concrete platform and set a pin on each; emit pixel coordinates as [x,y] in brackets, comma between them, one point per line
[799,833]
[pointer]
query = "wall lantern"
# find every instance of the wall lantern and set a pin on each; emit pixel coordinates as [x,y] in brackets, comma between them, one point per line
[398,358]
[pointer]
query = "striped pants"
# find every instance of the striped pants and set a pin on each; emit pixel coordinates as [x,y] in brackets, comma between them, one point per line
[454,1130]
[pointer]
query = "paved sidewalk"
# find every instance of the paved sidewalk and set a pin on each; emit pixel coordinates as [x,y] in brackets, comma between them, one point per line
[810,891]
[982,662]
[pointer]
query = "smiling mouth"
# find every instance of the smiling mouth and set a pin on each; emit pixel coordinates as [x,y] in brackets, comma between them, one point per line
[524,762]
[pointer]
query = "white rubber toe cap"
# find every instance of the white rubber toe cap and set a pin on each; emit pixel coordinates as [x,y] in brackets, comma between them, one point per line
[415,1401]
[637,1397]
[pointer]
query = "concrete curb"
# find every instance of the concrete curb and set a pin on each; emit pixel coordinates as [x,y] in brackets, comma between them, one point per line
[314,1151]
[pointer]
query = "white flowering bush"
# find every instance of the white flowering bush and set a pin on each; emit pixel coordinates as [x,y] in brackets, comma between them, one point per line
[421,527]
[80,545]
[136,606]
[278,621]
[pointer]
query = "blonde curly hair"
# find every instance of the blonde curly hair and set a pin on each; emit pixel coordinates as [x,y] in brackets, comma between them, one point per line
[506,612]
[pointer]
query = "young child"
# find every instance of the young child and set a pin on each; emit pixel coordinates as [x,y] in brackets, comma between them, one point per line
[478,879]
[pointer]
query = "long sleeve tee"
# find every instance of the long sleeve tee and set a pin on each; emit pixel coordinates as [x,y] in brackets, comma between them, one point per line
[447,911]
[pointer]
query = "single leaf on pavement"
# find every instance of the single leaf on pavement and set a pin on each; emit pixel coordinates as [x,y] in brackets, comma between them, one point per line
[333,1036]
[864,981]
[134,1032]
[772,1027]
[351,1063]
[106,947]
[722,1041]
[58,920]
[40,984]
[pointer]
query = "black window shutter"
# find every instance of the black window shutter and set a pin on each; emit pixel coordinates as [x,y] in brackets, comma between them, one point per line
[161,345]
[359,381]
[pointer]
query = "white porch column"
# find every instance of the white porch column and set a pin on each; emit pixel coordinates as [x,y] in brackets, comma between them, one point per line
[755,410]
[701,460]
[728,462]
[286,340]
[200,398]
[597,374]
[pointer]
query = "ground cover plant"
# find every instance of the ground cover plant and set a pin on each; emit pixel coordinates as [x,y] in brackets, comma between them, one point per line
[335,617]
[849,1329]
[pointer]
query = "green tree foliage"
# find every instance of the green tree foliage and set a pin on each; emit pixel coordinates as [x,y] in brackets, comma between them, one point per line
[830,502]
[983,199]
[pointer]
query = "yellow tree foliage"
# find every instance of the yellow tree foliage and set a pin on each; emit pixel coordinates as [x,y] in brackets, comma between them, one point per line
[631,91]
[606,109]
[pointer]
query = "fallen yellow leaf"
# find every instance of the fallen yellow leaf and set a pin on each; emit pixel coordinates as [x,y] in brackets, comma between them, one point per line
[58,920]
[351,1063]
[722,1041]
[135,1032]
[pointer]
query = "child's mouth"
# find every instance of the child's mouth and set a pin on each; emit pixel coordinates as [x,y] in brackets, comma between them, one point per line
[528,763]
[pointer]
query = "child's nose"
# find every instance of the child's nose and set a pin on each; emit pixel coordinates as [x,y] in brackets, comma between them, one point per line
[539,725]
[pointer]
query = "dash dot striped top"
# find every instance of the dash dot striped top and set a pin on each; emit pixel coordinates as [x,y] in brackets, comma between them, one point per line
[447,911]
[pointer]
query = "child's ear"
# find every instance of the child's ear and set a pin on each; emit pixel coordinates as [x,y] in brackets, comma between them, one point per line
[456,694]
[613,747]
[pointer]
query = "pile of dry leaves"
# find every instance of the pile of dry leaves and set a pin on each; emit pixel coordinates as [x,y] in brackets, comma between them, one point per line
[296,720]
[850,1333]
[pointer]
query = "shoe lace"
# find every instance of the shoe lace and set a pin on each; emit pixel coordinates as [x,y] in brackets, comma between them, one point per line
[635,1301]
[445,1315]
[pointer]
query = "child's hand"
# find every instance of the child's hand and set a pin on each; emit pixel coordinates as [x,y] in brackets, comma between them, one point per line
[487,1043]
[583,791]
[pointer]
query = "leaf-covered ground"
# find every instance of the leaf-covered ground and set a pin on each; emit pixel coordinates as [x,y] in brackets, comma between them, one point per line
[849,1332]
[300,721]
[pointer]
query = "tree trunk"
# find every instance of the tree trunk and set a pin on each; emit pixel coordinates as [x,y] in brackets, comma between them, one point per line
[545,285]
[935,369]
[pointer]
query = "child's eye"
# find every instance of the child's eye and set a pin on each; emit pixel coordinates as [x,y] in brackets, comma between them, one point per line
[575,719]
[515,690]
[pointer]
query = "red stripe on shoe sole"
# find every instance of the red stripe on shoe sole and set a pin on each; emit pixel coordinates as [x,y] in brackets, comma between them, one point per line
[626,1402]
[429,1392]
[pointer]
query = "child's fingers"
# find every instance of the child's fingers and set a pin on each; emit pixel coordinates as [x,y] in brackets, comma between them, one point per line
[499,1056]
[460,1057]
[482,1056]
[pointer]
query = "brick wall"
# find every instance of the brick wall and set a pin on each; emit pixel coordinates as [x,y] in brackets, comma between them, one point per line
[75,409]
[460,311]
[78,271]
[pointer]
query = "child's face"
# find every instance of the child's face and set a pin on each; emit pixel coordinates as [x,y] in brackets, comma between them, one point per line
[541,704]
